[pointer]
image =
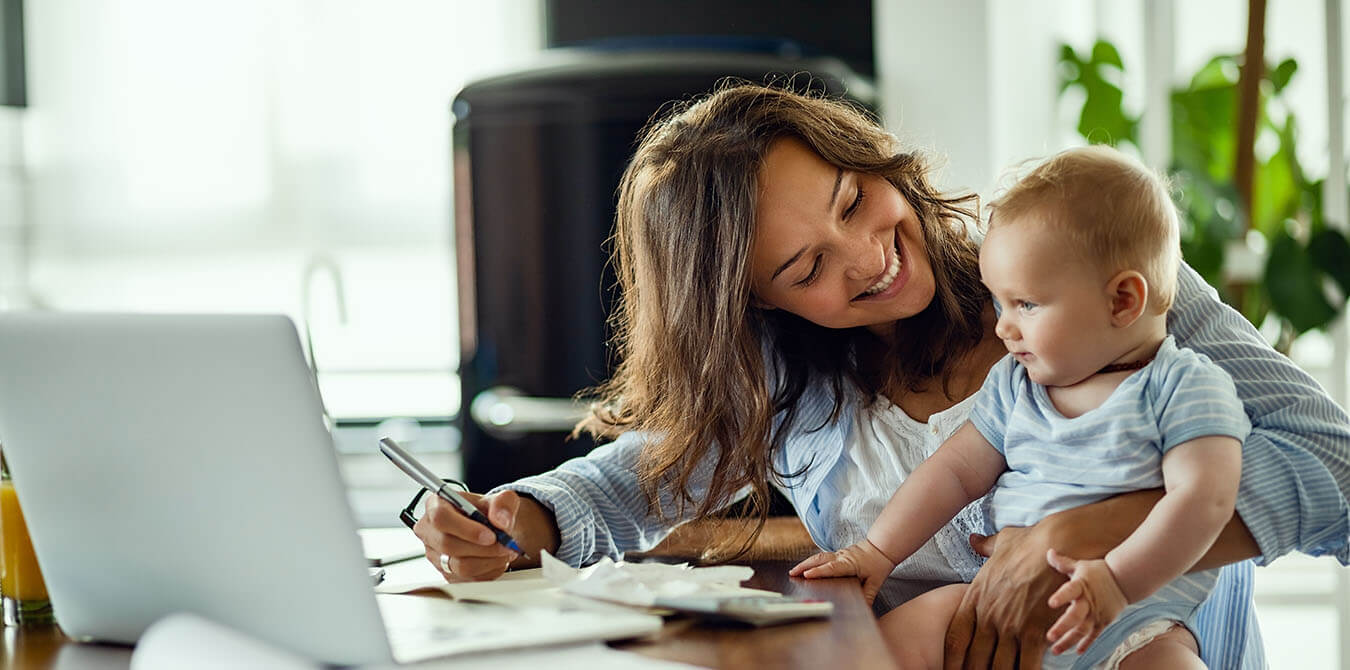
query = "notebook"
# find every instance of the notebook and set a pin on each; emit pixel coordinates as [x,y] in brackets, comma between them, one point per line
[173,463]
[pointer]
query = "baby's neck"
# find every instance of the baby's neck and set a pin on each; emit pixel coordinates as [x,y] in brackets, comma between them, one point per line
[1137,344]
[1140,340]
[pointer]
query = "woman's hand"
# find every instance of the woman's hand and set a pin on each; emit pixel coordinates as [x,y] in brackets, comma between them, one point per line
[1094,599]
[471,550]
[1003,619]
[863,560]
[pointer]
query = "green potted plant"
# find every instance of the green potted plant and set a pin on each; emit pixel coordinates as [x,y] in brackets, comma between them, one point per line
[1304,263]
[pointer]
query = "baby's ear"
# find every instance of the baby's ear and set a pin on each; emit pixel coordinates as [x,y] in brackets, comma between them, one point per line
[1128,292]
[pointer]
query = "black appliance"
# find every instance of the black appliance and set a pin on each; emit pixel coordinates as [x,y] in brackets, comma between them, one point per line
[538,155]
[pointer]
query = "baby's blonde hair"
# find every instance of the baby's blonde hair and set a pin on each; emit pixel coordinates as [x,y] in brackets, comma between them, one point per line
[1114,210]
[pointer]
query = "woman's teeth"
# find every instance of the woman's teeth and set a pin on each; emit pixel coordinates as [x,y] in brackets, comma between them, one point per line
[885,282]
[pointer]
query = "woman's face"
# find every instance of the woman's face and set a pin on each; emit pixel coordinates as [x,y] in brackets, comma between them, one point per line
[837,248]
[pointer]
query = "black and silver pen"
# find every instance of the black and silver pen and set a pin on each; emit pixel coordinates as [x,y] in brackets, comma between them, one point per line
[431,482]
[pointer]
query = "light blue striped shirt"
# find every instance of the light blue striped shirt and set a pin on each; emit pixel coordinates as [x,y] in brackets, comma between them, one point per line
[1292,497]
[1057,463]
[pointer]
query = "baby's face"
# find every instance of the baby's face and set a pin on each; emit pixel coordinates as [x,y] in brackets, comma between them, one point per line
[1056,312]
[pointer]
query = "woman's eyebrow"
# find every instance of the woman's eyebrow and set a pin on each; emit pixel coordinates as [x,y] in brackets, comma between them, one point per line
[788,264]
[834,194]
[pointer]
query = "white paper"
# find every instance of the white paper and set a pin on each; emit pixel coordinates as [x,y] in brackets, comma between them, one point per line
[641,584]
[589,656]
[186,640]
[189,641]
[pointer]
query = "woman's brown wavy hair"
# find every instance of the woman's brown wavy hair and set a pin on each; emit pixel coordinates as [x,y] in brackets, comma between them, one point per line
[693,371]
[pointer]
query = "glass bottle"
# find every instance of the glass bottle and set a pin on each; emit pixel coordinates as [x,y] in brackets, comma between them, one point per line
[23,594]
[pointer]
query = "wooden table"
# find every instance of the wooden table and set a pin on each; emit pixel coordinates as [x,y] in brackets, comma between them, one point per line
[850,639]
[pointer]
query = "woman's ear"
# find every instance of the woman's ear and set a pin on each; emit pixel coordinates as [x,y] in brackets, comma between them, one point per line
[1128,293]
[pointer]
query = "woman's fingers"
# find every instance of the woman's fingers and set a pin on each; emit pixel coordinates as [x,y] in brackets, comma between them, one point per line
[1006,604]
[1005,654]
[1032,652]
[466,569]
[471,550]
[980,654]
[959,632]
[501,509]
[983,544]
[442,517]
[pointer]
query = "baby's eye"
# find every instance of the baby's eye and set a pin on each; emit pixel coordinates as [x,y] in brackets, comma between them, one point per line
[1026,306]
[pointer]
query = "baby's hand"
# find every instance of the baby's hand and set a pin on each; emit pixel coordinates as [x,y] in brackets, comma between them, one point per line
[1094,598]
[862,559]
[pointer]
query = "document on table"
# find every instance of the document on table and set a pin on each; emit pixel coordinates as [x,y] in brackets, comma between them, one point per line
[594,587]
[187,640]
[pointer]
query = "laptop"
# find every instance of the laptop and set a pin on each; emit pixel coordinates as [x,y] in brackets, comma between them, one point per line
[171,463]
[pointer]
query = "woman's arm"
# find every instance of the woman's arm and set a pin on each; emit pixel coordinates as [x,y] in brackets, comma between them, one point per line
[1296,462]
[584,509]
[598,506]
[1005,613]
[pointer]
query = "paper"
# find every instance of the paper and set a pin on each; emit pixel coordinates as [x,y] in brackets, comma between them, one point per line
[589,656]
[559,585]
[187,640]
[383,546]
[642,584]
[426,627]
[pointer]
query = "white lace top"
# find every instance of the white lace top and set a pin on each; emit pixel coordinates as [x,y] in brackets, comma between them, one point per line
[886,446]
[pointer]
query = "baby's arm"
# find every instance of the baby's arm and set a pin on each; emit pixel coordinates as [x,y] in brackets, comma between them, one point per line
[1201,478]
[964,468]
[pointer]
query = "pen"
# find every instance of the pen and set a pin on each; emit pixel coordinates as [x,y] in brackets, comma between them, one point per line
[431,482]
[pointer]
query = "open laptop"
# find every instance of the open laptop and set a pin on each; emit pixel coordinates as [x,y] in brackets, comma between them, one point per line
[180,463]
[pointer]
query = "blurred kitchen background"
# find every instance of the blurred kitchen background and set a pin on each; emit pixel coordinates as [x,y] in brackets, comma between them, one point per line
[317,158]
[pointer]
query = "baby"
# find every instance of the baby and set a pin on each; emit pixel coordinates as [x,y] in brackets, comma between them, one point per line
[1093,399]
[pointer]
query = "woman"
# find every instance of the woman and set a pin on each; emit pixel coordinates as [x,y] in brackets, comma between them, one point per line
[801,308]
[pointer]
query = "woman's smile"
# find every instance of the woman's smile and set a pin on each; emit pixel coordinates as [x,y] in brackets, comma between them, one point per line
[890,282]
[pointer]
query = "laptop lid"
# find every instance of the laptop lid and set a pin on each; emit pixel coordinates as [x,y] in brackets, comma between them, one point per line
[180,463]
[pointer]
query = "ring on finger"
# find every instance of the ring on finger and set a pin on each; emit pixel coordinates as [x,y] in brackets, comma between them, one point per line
[445,563]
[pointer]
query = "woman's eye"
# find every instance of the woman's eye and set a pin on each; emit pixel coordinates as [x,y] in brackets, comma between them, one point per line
[815,270]
[857,200]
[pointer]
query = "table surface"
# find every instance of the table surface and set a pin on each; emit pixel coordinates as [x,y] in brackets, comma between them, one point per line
[849,639]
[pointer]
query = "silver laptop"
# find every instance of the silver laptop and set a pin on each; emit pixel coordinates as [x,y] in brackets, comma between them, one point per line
[180,463]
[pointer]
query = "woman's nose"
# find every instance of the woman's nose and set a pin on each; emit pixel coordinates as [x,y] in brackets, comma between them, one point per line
[868,260]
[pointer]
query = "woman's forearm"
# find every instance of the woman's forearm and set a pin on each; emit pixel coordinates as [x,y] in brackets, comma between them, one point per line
[1092,530]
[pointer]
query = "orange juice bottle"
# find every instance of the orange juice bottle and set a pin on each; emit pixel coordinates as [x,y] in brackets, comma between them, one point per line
[22,590]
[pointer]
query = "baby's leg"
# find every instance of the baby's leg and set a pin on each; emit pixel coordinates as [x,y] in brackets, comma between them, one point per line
[915,631]
[1175,649]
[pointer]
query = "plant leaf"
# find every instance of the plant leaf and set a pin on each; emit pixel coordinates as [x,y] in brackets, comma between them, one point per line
[1331,251]
[1280,76]
[1105,53]
[1295,285]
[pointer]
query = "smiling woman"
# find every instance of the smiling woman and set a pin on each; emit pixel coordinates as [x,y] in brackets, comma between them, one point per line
[858,244]
[801,309]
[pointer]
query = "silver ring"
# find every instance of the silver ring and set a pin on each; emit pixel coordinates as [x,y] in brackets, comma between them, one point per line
[445,563]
